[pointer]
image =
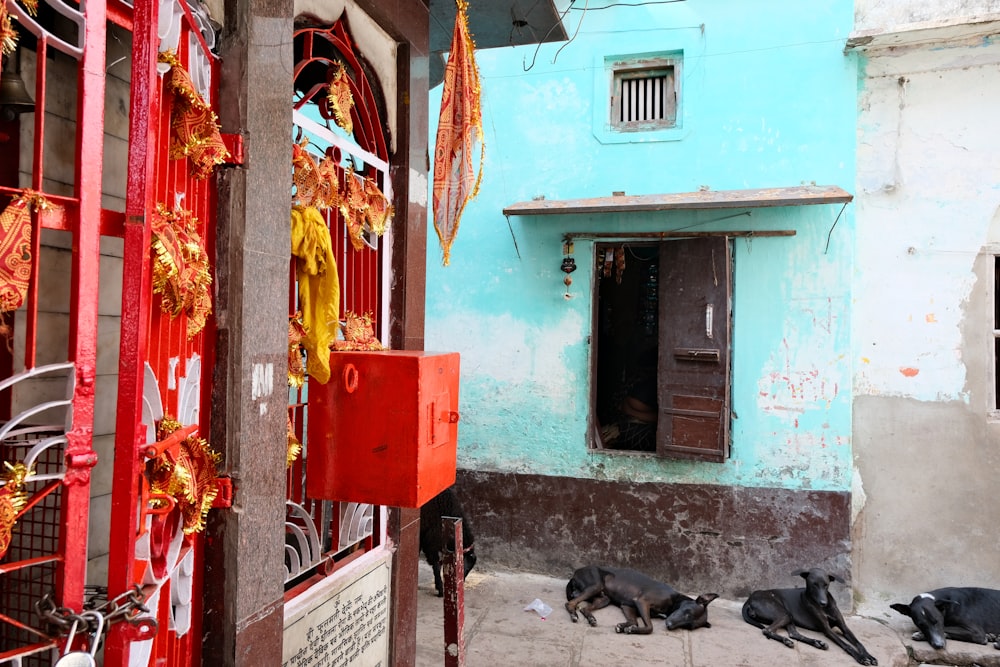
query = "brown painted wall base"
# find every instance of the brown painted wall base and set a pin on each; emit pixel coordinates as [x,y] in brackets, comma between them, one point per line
[700,538]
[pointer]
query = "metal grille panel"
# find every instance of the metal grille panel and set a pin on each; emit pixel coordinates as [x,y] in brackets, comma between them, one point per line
[643,99]
[341,530]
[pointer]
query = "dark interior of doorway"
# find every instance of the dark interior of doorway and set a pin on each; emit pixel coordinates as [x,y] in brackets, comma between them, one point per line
[626,344]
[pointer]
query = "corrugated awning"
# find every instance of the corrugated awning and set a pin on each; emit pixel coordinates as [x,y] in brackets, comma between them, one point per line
[800,195]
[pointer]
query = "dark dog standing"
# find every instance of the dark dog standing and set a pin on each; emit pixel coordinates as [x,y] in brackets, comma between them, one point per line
[432,541]
[811,607]
[966,614]
[639,597]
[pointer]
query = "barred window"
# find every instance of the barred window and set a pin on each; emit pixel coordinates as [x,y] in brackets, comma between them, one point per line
[644,94]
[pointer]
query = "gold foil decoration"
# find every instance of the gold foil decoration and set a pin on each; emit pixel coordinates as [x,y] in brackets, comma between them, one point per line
[340,98]
[15,248]
[353,204]
[316,184]
[296,332]
[13,500]
[378,211]
[294,447]
[181,271]
[8,35]
[188,474]
[194,127]
[359,334]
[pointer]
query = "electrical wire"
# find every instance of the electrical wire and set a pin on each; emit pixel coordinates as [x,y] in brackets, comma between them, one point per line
[575,32]
[544,37]
[632,4]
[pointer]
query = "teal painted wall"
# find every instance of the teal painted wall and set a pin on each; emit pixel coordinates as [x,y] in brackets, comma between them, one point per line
[767,100]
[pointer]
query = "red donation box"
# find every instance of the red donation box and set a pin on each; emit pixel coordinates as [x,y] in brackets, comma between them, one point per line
[384,429]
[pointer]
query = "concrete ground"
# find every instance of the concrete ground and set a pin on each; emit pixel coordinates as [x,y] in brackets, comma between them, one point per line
[498,631]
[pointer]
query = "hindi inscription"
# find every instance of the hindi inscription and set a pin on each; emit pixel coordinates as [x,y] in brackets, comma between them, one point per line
[349,627]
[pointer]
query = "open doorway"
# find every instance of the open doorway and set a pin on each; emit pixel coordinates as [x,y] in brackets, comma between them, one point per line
[627,342]
[663,319]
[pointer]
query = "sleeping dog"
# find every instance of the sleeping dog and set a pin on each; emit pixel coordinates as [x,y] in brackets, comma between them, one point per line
[639,597]
[811,607]
[966,614]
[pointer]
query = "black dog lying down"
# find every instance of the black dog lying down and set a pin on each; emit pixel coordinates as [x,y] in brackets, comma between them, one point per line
[811,607]
[639,597]
[432,539]
[966,614]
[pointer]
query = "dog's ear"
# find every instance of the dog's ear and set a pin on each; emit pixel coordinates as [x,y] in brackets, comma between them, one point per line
[903,609]
[801,573]
[838,579]
[947,605]
[703,600]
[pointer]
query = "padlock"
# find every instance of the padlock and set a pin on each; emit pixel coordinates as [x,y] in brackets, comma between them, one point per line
[82,658]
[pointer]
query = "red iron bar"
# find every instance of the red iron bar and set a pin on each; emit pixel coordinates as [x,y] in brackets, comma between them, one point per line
[453,577]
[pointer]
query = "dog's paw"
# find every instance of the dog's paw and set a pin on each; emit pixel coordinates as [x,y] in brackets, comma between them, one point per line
[821,645]
[788,642]
[918,636]
[620,628]
[867,659]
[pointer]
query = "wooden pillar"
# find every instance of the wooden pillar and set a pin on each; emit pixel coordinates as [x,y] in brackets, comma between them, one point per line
[244,554]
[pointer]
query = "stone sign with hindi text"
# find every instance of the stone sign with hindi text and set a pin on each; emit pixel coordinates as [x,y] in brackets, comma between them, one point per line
[344,626]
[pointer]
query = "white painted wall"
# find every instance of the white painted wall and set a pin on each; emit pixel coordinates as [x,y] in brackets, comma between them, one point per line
[927,444]
[888,15]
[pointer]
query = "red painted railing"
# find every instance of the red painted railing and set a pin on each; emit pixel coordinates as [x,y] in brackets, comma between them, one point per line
[48,552]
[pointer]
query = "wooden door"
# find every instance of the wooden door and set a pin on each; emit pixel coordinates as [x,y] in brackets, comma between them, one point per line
[693,370]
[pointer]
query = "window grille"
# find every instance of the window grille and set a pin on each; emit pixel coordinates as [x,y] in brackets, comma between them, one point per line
[644,94]
[642,99]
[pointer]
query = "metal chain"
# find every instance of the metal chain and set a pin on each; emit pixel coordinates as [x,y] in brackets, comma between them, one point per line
[125,607]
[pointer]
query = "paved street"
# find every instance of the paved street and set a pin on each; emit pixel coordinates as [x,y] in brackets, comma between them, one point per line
[498,632]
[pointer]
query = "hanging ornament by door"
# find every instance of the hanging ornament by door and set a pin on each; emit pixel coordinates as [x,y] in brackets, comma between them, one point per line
[568,264]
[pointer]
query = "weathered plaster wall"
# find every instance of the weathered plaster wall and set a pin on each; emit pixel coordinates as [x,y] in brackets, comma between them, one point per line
[768,99]
[880,15]
[926,441]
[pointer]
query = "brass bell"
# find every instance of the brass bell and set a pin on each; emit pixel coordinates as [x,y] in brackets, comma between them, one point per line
[14,97]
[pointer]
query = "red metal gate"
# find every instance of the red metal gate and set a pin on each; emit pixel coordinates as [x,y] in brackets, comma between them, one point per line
[322,536]
[166,355]
[48,389]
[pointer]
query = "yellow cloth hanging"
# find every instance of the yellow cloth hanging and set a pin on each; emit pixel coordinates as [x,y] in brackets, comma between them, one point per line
[319,288]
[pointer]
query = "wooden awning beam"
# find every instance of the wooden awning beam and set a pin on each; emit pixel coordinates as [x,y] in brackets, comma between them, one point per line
[800,195]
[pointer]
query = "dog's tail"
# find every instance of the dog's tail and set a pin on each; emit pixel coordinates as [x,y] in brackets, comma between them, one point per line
[748,615]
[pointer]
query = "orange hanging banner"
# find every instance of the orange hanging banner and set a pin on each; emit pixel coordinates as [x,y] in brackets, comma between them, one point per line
[460,127]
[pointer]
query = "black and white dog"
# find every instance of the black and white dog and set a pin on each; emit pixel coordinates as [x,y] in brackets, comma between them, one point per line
[967,614]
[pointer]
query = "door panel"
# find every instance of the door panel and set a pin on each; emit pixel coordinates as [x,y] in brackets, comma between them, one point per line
[693,370]
[166,352]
